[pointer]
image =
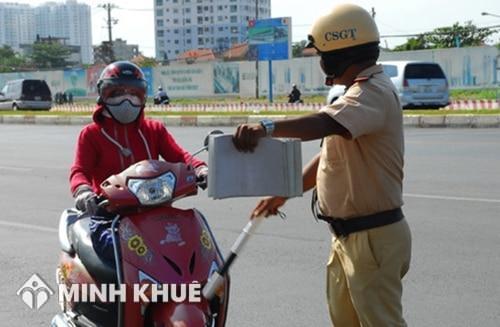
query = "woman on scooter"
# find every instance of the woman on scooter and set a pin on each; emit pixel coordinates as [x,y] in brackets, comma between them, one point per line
[119,137]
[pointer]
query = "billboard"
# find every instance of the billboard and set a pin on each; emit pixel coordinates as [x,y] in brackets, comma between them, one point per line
[93,74]
[75,82]
[270,39]
[185,80]
[226,78]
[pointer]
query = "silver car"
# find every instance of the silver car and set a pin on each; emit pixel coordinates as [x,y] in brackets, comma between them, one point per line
[420,84]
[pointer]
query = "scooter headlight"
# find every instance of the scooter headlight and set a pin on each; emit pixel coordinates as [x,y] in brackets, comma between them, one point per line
[153,191]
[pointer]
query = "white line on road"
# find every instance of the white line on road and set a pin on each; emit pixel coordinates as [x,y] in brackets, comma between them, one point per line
[27,226]
[15,168]
[451,198]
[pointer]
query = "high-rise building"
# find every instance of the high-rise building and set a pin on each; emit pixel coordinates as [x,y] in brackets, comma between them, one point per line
[182,25]
[23,24]
[16,25]
[70,20]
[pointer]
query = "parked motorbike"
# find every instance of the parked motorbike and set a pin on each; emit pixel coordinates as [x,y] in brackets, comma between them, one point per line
[154,243]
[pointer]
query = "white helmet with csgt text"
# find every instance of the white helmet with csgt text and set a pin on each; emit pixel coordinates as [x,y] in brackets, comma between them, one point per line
[347,35]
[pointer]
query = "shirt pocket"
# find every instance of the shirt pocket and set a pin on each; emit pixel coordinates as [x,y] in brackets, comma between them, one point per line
[332,186]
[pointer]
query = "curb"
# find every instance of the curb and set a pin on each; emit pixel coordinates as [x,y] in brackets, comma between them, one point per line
[418,121]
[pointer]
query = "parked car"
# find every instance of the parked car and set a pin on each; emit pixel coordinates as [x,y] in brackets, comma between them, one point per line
[25,94]
[420,84]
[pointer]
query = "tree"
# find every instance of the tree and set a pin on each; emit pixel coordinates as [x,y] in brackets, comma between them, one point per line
[10,60]
[49,55]
[297,48]
[143,61]
[104,54]
[414,43]
[467,35]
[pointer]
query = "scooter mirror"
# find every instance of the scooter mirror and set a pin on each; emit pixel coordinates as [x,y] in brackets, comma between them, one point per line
[214,132]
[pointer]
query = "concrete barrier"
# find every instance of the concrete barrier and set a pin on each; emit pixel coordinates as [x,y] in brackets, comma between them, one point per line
[411,121]
[458,121]
[432,121]
[485,121]
[474,105]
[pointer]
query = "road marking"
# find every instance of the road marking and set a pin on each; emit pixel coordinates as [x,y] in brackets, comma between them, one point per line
[451,198]
[15,168]
[28,226]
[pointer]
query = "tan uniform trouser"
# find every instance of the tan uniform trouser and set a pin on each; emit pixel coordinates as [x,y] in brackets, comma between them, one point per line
[364,275]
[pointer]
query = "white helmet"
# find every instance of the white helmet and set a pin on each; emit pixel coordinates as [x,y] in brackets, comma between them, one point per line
[347,35]
[346,26]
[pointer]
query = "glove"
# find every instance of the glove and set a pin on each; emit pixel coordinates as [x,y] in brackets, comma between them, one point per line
[202,176]
[86,200]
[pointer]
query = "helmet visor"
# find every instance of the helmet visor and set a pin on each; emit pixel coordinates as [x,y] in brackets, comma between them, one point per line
[119,99]
[113,93]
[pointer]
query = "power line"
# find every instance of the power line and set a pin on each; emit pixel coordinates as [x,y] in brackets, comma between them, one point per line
[492,27]
[134,9]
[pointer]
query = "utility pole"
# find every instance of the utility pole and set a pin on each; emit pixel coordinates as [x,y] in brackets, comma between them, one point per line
[109,23]
[257,59]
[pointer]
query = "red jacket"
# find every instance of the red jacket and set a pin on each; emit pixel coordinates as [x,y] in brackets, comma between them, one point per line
[97,157]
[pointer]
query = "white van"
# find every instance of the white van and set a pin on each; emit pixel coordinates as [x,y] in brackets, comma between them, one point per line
[420,84]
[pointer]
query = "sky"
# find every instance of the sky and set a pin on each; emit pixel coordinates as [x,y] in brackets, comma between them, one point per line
[393,17]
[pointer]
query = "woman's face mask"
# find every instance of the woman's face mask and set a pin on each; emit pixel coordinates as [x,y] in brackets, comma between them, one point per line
[125,108]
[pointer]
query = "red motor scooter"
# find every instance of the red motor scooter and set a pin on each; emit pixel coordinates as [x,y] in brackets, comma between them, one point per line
[154,243]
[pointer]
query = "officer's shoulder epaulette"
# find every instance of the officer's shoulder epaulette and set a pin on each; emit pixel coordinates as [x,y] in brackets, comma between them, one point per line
[362,79]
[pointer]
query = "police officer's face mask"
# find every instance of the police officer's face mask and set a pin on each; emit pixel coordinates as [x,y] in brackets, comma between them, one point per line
[334,65]
[125,109]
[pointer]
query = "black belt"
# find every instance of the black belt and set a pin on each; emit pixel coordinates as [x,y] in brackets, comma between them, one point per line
[344,227]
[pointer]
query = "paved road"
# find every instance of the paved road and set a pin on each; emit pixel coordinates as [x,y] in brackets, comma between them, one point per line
[452,194]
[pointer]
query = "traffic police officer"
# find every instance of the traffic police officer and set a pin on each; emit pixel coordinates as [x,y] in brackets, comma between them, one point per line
[358,173]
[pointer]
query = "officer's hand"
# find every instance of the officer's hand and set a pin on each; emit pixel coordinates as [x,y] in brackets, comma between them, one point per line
[268,206]
[247,136]
[202,177]
[86,200]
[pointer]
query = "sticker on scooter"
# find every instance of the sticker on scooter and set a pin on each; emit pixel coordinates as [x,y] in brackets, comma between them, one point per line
[135,243]
[173,235]
[205,240]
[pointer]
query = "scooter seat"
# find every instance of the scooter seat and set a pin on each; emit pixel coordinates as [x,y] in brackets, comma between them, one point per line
[79,235]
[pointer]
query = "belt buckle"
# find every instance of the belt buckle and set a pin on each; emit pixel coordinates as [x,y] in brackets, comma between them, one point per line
[337,227]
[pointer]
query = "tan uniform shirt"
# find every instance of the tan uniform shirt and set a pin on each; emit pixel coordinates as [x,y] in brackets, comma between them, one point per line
[363,175]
